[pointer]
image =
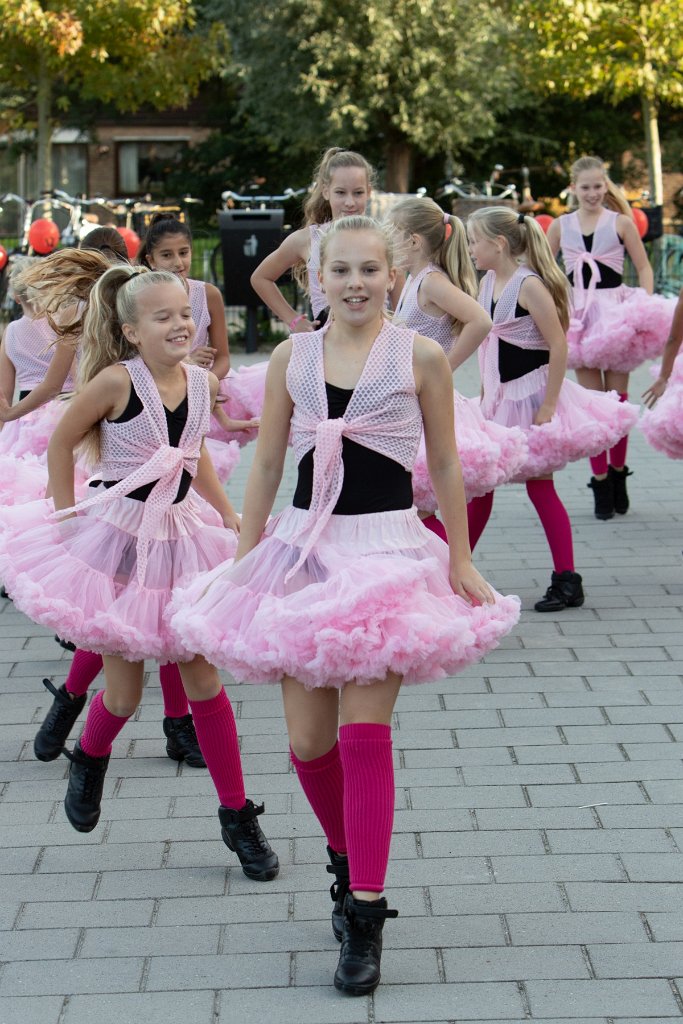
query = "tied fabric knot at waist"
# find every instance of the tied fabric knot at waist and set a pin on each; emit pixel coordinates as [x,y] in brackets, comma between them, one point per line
[166,467]
[515,333]
[583,297]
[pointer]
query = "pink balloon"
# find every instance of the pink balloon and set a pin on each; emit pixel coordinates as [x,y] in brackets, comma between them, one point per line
[642,223]
[544,220]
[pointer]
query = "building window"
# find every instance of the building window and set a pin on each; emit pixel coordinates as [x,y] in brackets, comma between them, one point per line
[145,166]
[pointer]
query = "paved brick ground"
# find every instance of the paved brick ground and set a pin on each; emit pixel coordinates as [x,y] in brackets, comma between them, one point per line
[537,861]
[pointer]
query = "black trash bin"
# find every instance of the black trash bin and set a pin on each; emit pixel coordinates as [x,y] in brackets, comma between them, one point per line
[655,227]
[247,237]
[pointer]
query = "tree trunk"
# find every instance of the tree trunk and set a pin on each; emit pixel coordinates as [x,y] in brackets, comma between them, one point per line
[44,141]
[654,152]
[399,157]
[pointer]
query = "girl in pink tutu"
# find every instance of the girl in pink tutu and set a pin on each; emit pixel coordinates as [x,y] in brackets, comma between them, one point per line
[103,570]
[344,595]
[439,301]
[663,426]
[523,363]
[613,328]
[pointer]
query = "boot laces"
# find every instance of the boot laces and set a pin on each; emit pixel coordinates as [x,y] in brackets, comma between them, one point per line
[252,837]
[186,731]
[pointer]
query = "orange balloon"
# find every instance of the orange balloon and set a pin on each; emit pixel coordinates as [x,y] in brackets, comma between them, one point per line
[132,241]
[43,236]
[3,257]
[642,223]
[544,220]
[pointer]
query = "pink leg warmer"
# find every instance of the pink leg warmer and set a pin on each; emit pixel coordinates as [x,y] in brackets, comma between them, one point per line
[365,751]
[101,728]
[173,692]
[214,723]
[617,455]
[555,522]
[436,526]
[478,513]
[322,780]
[599,464]
[84,667]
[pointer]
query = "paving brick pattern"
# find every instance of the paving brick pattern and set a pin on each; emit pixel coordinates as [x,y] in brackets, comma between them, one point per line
[538,851]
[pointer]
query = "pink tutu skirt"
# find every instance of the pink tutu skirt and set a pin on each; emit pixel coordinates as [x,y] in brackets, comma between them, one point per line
[663,425]
[30,435]
[621,328]
[585,422]
[490,455]
[78,577]
[225,456]
[243,392]
[372,597]
[22,480]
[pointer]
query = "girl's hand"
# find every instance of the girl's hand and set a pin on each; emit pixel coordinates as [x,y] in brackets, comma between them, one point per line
[203,356]
[470,585]
[544,415]
[305,326]
[231,521]
[654,392]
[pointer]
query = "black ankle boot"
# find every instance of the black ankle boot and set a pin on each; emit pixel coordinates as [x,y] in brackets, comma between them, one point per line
[565,591]
[603,492]
[358,970]
[618,478]
[58,722]
[84,792]
[66,644]
[3,593]
[181,741]
[242,834]
[339,866]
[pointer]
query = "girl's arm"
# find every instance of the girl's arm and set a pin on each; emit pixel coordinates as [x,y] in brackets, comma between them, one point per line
[51,385]
[535,297]
[8,377]
[230,424]
[105,397]
[554,236]
[636,250]
[435,393]
[207,484]
[437,289]
[271,447]
[294,248]
[215,355]
[673,344]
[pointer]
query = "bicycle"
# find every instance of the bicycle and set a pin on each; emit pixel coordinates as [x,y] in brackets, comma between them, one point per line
[467,196]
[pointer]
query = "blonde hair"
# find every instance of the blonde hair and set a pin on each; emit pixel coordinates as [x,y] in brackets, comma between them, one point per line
[615,199]
[525,239]
[447,249]
[317,209]
[359,222]
[17,287]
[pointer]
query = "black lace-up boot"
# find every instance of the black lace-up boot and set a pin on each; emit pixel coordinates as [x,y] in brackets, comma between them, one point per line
[565,591]
[182,743]
[358,970]
[58,722]
[66,644]
[603,493]
[338,866]
[618,478]
[242,834]
[84,793]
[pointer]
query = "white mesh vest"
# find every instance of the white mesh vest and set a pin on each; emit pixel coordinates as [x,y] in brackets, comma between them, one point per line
[200,312]
[408,311]
[315,292]
[29,346]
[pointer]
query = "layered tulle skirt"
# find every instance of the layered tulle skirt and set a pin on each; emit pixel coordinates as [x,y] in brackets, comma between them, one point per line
[241,393]
[30,434]
[372,597]
[621,328]
[585,422]
[78,577]
[663,425]
[490,455]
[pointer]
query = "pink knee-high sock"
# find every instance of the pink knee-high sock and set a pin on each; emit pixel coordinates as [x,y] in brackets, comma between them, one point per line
[555,522]
[436,526]
[617,454]
[599,464]
[322,780]
[173,692]
[214,723]
[84,667]
[101,728]
[478,513]
[365,751]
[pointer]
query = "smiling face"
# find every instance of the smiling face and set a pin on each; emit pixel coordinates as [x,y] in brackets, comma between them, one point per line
[590,189]
[348,192]
[356,275]
[164,329]
[172,252]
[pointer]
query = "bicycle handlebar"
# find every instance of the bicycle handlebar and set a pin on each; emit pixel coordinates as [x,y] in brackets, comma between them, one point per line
[289,193]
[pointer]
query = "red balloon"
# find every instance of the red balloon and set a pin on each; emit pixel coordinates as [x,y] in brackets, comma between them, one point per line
[3,257]
[544,220]
[642,223]
[132,241]
[43,236]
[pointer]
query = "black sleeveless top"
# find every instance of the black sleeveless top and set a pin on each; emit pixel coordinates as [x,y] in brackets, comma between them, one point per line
[608,278]
[513,361]
[175,422]
[372,482]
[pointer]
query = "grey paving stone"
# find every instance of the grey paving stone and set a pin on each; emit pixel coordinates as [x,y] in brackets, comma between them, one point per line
[624,896]
[228,910]
[536,817]
[623,960]
[509,964]
[585,794]
[35,945]
[399,967]
[512,775]
[68,977]
[436,797]
[644,816]
[570,753]
[176,940]
[492,1001]
[654,867]
[636,771]
[506,737]
[150,1007]
[601,998]
[616,734]
[116,857]
[292,1006]
[82,914]
[227,971]
[557,868]
[31,1010]
[666,927]
[611,840]
[501,898]
[665,791]
[568,929]
[481,843]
